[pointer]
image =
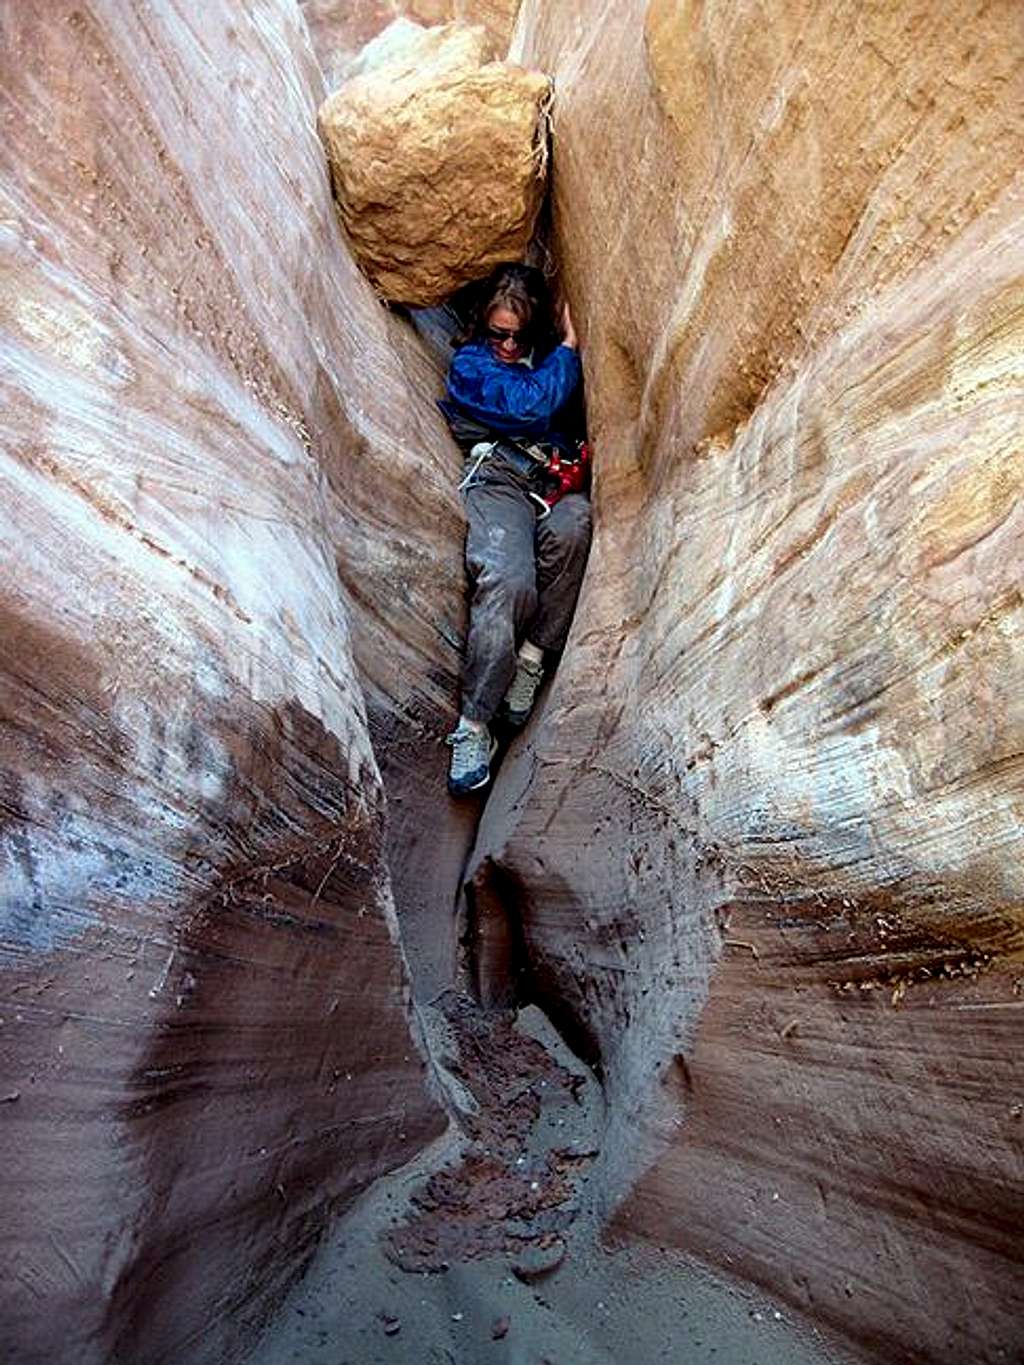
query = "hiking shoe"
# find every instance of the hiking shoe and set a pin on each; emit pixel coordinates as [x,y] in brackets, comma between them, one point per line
[470,765]
[517,702]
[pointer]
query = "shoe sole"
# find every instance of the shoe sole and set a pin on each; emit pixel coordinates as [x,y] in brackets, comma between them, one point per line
[465,791]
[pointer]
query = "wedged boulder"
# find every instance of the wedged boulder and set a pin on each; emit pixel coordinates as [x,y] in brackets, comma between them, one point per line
[765,837]
[205,1044]
[439,160]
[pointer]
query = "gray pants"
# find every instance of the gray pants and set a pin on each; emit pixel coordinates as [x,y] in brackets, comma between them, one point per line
[526,573]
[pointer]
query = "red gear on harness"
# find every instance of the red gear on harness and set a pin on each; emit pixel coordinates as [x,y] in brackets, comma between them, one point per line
[571,474]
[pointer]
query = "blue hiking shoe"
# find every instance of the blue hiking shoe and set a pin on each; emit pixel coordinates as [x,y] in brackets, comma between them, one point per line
[470,766]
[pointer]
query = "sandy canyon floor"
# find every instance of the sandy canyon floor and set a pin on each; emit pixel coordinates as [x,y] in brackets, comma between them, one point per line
[488,1249]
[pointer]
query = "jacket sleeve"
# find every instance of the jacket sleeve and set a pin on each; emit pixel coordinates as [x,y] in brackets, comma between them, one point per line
[512,398]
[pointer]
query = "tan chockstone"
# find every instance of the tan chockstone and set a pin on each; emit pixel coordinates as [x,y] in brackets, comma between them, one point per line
[439,160]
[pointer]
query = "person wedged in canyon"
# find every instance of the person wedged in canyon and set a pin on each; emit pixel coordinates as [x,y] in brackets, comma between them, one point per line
[514,401]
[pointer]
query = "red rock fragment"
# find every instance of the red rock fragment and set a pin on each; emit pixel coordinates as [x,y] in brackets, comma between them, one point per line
[538,1260]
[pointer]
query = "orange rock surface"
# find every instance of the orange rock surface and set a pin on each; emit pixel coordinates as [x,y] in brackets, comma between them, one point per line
[765,837]
[439,160]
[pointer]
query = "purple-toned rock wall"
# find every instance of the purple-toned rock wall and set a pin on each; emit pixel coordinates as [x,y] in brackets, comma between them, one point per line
[224,486]
[759,853]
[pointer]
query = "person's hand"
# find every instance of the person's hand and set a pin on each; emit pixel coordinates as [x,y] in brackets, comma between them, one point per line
[568,330]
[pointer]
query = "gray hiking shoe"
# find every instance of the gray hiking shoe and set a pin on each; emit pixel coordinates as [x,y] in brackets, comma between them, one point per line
[470,765]
[517,702]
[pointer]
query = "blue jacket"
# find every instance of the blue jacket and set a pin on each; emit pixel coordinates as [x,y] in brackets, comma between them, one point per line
[515,400]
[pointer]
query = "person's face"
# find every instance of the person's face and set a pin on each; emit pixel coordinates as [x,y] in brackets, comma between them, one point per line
[506,335]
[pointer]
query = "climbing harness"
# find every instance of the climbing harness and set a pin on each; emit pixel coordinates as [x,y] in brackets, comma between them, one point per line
[530,458]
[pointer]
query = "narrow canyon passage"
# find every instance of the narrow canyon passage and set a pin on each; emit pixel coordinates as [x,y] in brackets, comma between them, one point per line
[488,1246]
[720,1056]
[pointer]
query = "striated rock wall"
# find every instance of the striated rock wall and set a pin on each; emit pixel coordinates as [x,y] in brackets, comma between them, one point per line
[759,854]
[230,561]
[765,833]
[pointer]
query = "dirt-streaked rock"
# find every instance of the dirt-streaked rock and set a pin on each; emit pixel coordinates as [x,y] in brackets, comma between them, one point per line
[765,835]
[759,852]
[214,588]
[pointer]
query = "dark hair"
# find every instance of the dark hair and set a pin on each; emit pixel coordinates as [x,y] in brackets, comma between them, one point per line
[523,290]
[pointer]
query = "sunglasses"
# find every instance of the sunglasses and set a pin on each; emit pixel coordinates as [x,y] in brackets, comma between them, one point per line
[506,333]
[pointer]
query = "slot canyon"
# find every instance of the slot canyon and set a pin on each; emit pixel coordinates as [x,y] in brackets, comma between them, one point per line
[739,924]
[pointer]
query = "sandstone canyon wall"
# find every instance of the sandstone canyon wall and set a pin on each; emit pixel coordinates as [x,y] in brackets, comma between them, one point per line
[759,853]
[220,458]
[766,834]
